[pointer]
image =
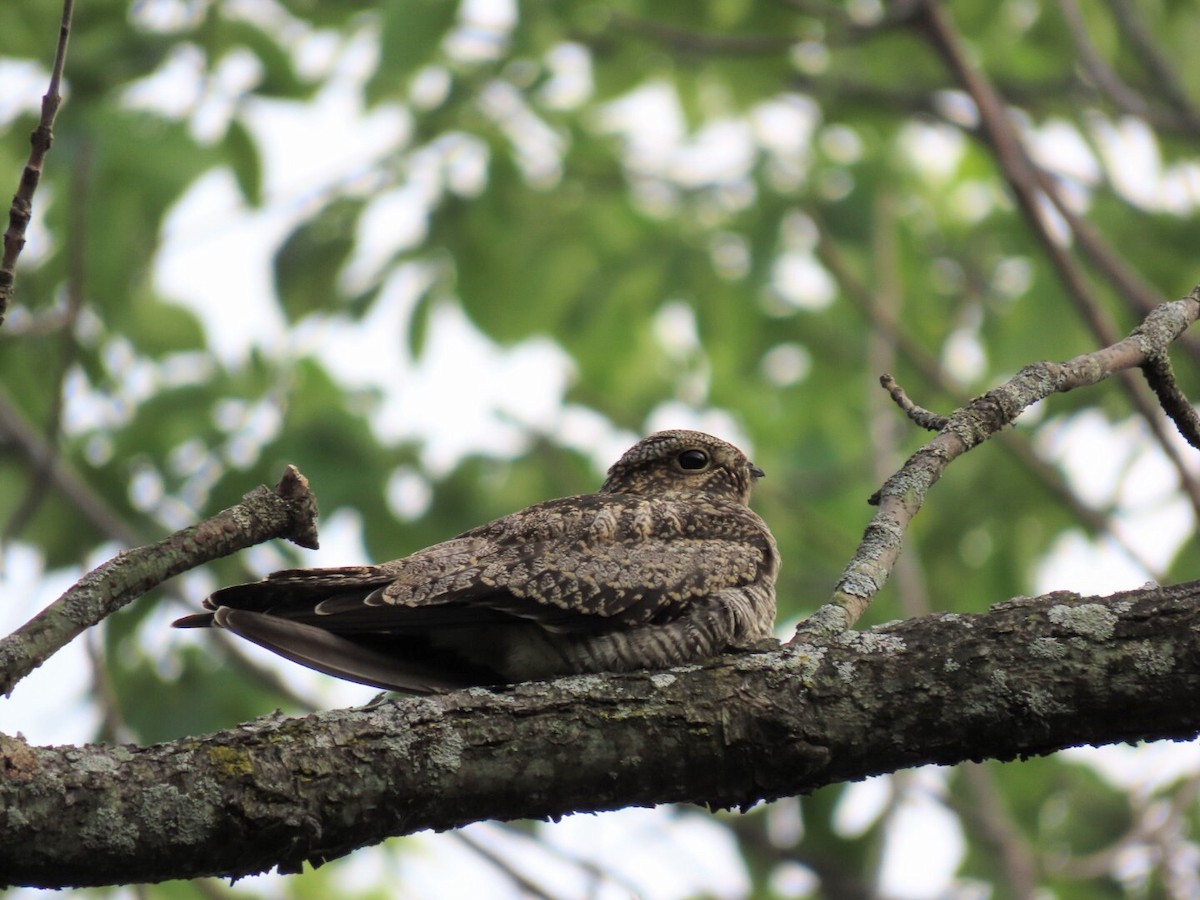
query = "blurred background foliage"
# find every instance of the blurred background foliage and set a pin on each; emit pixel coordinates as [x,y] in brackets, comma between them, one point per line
[497,241]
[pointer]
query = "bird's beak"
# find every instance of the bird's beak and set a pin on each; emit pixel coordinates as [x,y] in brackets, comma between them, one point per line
[757,472]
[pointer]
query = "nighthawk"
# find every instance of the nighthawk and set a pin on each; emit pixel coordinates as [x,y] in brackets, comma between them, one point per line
[664,565]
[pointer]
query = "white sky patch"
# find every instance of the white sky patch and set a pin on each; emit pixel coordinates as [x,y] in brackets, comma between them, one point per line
[665,853]
[1012,277]
[650,121]
[392,222]
[1145,767]
[1133,478]
[933,151]
[1058,146]
[175,88]
[211,230]
[1072,442]
[963,355]
[1075,563]
[675,329]
[730,255]
[841,144]
[537,148]
[802,282]
[924,843]
[1131,159]
[721,151]
[957,107]
[465,393]
[234,76]
[49,705]
[1133,162]
[570,83]
[483,29]
[334,155]
[408,493]
[588,432]
[673,414]
[861,804]
[784,128]
[787,364]
[1056,226]
[810,57]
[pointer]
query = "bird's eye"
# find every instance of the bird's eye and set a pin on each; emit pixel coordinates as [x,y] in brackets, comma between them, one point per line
[693,460]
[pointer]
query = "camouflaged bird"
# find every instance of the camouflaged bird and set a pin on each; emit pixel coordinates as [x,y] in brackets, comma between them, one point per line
[664,565]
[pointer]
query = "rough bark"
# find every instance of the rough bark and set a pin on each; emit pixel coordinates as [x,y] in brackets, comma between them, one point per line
[1029,677]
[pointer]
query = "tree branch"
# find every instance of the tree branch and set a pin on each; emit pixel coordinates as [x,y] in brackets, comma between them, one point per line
[902,495]
[1029,677]
[43,136]
[287,511]
[1031,187]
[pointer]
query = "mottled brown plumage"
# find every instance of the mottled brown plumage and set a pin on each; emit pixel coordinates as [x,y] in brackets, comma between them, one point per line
[664,565]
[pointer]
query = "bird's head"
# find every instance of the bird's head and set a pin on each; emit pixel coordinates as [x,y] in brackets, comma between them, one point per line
[683,462]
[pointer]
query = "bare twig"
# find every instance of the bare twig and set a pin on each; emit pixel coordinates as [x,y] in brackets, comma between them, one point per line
[91,506]
[287,511]
[930,421]
[902,495]
[1161,379]
[41,139]
[520,880]
[1093,519]
[1024,178]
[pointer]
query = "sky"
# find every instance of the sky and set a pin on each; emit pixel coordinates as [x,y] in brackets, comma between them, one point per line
[212,229]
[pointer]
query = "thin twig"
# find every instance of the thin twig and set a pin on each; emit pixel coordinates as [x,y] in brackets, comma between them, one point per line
[930,421]
[902,495]
[1094,520]
[523,883]
[1023,177]
[21,210]
[90,505]
[287,511]
[1161,378]
[885,304]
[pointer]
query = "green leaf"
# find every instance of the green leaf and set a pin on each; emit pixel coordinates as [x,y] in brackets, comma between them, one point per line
[309,261]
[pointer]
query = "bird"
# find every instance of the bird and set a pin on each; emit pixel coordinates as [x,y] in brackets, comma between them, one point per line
[664,565]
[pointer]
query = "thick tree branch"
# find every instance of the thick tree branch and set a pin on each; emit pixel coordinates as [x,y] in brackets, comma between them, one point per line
[1029,677]
[902,495]
[287,511]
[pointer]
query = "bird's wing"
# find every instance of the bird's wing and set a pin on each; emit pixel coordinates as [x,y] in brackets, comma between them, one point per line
[579,564]
[582,563]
